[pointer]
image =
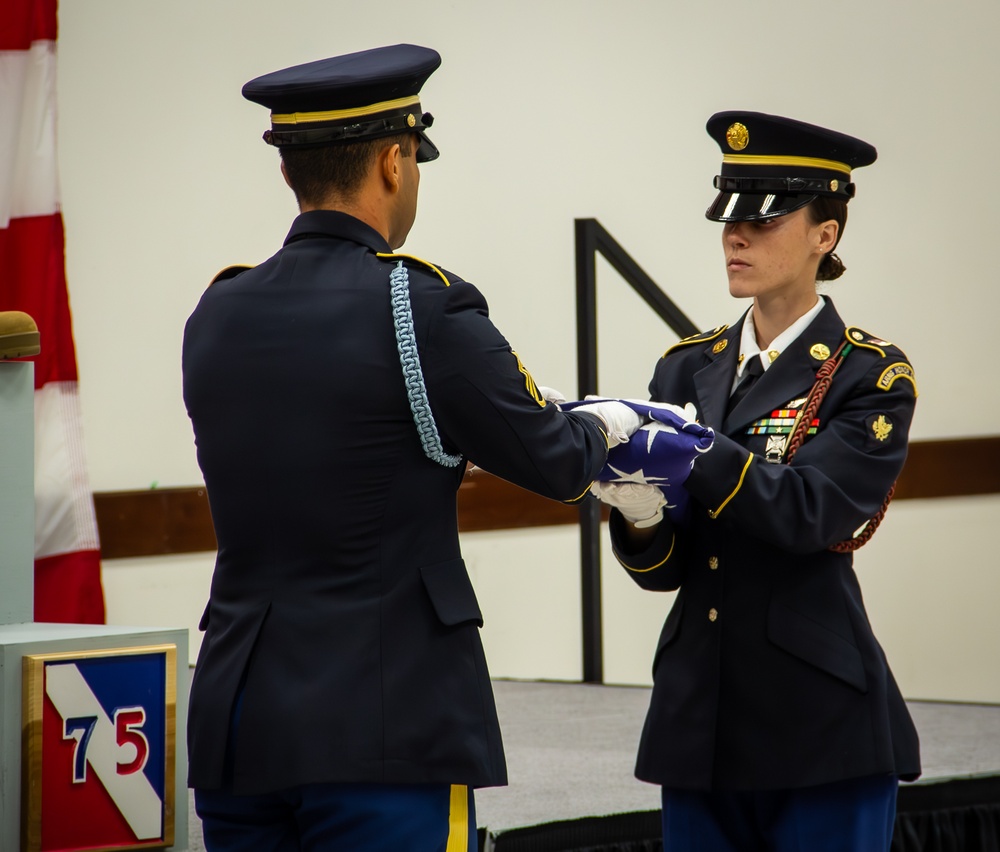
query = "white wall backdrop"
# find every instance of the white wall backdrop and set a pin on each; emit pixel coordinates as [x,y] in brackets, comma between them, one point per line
[547,111]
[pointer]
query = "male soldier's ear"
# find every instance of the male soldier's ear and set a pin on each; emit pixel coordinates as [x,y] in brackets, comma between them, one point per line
[284,174]
[390,162]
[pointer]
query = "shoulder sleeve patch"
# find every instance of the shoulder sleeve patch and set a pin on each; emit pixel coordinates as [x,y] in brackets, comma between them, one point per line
[229,272]
[898,370]
[878,430]
[701,337]
[424,263]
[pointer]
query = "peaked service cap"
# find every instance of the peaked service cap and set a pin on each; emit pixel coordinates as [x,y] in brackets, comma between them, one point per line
[773,165]
[350,98]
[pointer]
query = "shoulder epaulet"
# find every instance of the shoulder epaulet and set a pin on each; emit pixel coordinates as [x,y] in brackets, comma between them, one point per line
[701,337]
[898,368]
[446,277]
[865,340]
[229,272]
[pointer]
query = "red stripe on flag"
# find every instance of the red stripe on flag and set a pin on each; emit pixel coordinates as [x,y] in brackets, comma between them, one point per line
[34,281]
[68,588]
[25,21]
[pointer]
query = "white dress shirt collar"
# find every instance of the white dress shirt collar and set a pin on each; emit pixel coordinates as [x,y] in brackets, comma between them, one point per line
[748,339]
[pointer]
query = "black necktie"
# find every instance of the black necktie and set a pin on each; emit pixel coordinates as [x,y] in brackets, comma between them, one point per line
[754,370]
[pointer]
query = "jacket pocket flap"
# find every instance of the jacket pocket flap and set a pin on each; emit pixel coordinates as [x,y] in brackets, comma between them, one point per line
[813,643]
[451,592]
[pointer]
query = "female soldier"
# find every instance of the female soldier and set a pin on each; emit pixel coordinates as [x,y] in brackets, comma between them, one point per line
[775,722]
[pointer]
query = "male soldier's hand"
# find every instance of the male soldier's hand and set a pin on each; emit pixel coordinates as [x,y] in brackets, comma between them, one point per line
[620,420]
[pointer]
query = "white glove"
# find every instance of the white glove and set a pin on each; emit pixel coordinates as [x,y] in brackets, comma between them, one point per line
[551,395]
[640,504]
[620,420]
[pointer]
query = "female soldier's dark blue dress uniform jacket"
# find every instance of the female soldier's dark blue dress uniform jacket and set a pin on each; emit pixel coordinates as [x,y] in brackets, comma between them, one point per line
[339,595]
[767,674]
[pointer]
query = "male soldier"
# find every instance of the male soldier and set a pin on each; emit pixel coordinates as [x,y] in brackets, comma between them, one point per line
[341,699]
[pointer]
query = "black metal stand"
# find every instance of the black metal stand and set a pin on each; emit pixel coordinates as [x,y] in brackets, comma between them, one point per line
[592,238]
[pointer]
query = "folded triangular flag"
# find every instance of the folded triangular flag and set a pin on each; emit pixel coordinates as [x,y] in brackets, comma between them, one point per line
[661,453]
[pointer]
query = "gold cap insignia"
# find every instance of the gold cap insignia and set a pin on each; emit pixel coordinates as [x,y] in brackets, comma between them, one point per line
[834,184]
[722,344]
[882,427]
[737,136]
[820,351]
[411,120]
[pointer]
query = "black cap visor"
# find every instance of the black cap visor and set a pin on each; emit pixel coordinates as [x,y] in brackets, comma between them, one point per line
[747,206]
[426,150]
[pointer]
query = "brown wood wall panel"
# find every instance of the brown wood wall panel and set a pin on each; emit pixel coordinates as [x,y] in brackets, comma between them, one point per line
[177,520]
[154,522]
[952,468]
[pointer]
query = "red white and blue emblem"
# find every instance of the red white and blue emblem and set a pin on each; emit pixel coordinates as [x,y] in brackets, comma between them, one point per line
[103,751]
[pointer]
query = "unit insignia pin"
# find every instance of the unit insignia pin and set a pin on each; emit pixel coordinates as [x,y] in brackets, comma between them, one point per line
[722,344]
[820,351]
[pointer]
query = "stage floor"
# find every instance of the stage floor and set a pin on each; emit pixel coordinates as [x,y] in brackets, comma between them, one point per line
[571,751]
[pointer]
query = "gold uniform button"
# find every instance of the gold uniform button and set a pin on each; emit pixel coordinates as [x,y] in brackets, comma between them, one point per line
[713,614]
[713,562]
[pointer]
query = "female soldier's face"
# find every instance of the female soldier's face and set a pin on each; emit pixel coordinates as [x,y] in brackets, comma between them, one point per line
[776,257]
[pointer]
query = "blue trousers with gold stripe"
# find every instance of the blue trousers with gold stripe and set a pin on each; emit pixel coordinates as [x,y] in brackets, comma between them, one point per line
[341,818]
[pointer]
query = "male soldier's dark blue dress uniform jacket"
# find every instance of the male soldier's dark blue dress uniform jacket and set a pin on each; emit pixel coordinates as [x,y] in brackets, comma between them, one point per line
[767,674]
[339,594]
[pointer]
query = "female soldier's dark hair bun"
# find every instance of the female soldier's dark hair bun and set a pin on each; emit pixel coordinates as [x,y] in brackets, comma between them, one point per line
[831,267]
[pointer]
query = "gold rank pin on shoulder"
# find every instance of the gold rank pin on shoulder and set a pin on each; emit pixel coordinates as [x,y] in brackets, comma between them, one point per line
[701,337]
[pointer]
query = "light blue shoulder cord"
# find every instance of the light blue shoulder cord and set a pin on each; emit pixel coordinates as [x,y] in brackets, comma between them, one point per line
[416,390]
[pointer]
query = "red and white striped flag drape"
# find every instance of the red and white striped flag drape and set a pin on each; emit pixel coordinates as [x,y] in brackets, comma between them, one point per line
[33,279]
